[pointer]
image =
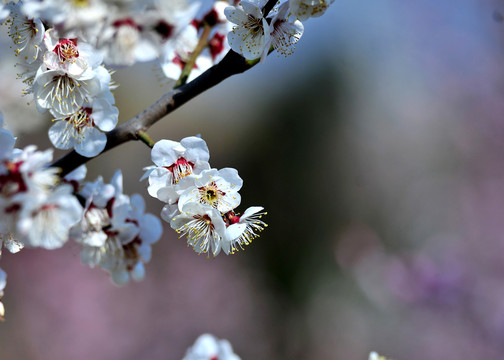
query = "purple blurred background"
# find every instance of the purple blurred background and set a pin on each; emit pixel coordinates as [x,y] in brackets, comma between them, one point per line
[378,151]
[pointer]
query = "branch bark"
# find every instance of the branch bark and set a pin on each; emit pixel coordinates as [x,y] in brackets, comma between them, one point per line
[231,64]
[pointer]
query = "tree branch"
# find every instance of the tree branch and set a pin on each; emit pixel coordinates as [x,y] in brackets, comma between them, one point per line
[231,64]
[134,128]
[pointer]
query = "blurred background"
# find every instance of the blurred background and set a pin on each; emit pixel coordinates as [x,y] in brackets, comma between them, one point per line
[377,149]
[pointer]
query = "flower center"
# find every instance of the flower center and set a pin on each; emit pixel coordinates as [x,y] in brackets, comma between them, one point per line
[254,25]
[80,3]
[81,119]
[180,169]
[210,194]
[66,49]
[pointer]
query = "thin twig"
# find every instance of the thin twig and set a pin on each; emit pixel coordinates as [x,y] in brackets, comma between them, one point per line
[145,138]
[202,43]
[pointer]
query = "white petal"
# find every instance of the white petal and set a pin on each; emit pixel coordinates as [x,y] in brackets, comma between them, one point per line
[251,9]
[150,228]
[235,15]
[138,272]
[92,144]
[60,136]
[196,149]
[163,153]
[105,116]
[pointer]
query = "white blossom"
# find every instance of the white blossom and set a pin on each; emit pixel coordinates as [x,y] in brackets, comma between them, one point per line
[123,41]
[305,9]
[45,221]
[55,89]
[174,161]
[115,231]
[34,209]
[69,76]
[69,15]
[85,129]
[26,33]
[208,347]
[202,225]
[252,32]
[285,33]
[70,55]
[138,251]
[243,229]
[375,356]
[215,188]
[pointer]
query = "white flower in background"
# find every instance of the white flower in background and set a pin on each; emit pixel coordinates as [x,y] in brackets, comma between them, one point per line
[68,15]
[170,18]
[215,188]
[34,211]
[76,177]
[305,9]
[123,41]
[374,356]
[45,221]
[176,55]
[208,347]
[243,229]
[26,33]
[218,45]
[85,129]
[22,177]
[252,32]
[115,231]
[29,168]
[100,199]
[174,161]
[3,282]
[138,251]
[25,172]
[284,33]
[172,67]
[202,225]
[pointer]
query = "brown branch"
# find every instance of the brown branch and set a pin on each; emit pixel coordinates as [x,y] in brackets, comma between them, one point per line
[231,64]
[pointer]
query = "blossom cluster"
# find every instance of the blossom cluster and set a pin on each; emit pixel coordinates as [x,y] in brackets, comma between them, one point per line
[35,208]
[39,209]
[67,52]
[200,201]
[66,77]
[255,35]
[63,48]
[115,232]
